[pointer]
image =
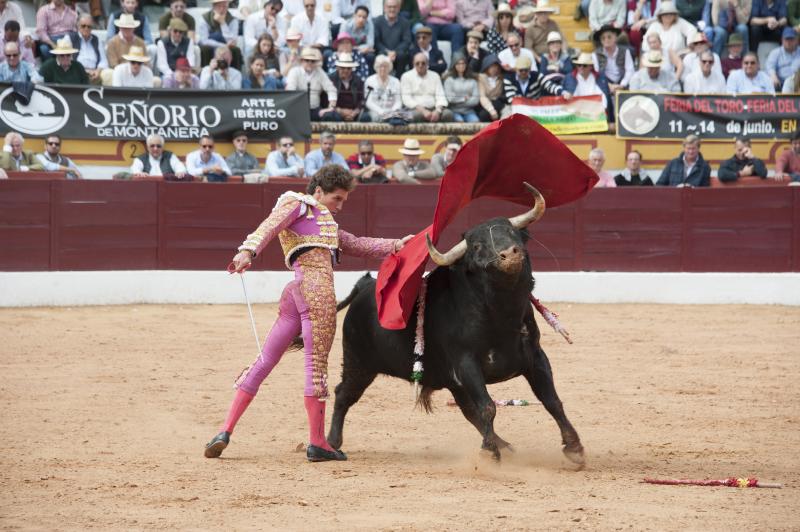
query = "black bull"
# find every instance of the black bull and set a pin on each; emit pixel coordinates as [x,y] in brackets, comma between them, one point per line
[479,329]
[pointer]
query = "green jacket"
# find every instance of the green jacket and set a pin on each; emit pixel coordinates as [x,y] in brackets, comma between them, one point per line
[28,159]
[75,74]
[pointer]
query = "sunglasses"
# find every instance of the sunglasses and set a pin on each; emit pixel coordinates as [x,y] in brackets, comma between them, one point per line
[707,62]
[366,153]
[54,144]
[12,55]
[748,62]
[207,146]
[513,45]
[420,62]
[156,145]
[85,25]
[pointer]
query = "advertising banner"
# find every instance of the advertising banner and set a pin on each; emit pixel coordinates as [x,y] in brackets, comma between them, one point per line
[710,116]
[91,112]
[581,114]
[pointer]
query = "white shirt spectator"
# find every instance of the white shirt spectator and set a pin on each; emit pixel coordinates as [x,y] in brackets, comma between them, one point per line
[665,82]
[195,165]
[318,33]
[697,83]
[87,56]
[279,166]
[383,100]
[673,39]
[123,77]
[214,80]
[427,92]
[316,82]
[506,57]
[612,70]
[691,63]
[256,25]
[155,165]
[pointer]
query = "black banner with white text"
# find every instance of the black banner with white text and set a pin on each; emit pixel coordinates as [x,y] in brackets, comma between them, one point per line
[710,116]
[90,112]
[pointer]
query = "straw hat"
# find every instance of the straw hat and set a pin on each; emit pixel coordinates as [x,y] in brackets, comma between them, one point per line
[503,8]
[293,35]
[218,1]
[411,147]
[475,34]
[178,24]
[126,20]
[136,55]
[523,61]
[345,60]
[524,16]
[554,36]
[698,38]
[584,59]
[64,47]
[666,8]
[543,6]
[423,29]
[652,59]
[310,53]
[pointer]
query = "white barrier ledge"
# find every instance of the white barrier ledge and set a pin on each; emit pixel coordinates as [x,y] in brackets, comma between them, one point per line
[27,289]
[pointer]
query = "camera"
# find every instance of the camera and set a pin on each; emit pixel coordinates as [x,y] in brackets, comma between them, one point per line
[222,64]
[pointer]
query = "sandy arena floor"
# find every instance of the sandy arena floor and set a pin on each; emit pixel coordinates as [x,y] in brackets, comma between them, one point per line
[106,411]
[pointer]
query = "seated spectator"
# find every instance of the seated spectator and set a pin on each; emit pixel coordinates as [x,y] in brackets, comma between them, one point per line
[689,169]
[670,59]
[640,14]
[310,77]
[424,45]
[691,61]
[651,77]
[749,79]
[787,167]
[423,93]
[11,34]
[264,22]
[384,103]
[440,16]
[130,7]
[91,53]
[284,162]
[410,169]
[220,75]
[366,165]
[767,20]
[53,161]
[555,64]
[461,91]
[259,78]
[674,31]
[177,9]
[523,82]
[692,12]
[344,46]
[266,49]
[728,18]
[584,82]
[792,84]
[240,161]
[349,90]
[134,72]
[742,164]
[216,29]
[733,58]
[16,159]
[207,165]
[633,175]
[508,56]
[784,61]
[497,37]
[181,77]
[290,54]
[62,68]
[318,158]
[158,162]
[536,32]
[315,30]
[54,20]
[409,10]
[597,158]
[440,161]
[706,80]
[15,70]
[361,28]
[613,60]
[524,16]
[177,45]
[123,41]
[473,51]
[491,89]
[393,35]
[11,11]
[477,15]
[611,13]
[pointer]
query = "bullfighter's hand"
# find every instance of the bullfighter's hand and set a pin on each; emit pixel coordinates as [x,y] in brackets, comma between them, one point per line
[242,260]
[398,245]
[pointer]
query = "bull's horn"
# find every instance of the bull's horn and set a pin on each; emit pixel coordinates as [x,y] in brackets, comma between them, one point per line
[446,259]
[525,219]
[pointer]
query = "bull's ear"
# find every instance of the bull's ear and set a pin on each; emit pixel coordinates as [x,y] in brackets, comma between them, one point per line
[524,234]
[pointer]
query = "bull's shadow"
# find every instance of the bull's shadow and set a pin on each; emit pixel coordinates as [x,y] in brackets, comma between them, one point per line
[479,329]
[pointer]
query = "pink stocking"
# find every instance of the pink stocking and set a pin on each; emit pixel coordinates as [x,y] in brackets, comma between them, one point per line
[316,422]
[240,403]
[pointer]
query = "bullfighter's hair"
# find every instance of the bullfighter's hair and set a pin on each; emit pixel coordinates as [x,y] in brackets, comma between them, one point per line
[331,177]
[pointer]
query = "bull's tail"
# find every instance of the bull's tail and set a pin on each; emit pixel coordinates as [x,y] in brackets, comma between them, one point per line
[297,343]
[424,401]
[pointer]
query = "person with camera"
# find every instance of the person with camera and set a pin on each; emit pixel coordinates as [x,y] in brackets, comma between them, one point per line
[219,75]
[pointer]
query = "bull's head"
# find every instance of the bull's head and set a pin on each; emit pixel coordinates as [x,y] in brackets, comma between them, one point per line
[498,244]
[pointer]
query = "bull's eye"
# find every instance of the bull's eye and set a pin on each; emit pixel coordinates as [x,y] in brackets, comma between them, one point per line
[476,246]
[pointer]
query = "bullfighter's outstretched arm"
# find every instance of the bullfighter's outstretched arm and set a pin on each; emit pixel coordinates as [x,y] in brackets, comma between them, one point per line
[279,219]
[374,248]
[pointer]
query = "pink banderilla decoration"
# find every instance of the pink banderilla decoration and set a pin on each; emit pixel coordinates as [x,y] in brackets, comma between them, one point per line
[731,482]
[550,317]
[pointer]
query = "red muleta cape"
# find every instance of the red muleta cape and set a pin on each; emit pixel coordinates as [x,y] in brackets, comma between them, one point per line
[493,164]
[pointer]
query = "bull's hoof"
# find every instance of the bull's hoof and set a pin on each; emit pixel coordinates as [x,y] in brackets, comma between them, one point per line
[217,444]
[318,454]
[574,453]
[494,453]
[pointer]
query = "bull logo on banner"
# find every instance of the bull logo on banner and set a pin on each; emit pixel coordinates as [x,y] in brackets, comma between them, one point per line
[43,112]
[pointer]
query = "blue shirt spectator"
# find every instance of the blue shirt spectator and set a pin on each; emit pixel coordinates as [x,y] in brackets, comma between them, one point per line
[14,70]
[206,164]
[284,162]
[749,78]
[316,159]
[761,8]
[784,61]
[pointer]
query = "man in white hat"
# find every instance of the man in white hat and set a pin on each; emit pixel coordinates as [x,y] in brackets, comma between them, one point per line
[514,50]
[310,77]
[349,90]
[691,61]
[651,77]
[411,169]
[424,43]
[177,45]
[707,79]
[130,7]
[537,31]
[555,64]
[54,21]
[61,68]
[216,28]
[122,42]
[134,72]
[423,93]
[584,82]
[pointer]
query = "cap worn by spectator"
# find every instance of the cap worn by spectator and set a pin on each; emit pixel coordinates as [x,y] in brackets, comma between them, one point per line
[488,61]
[182,64]
[735,39]
[126,20]
[411,147]
[789,33]
[554,36]
[178,24]
[523,62]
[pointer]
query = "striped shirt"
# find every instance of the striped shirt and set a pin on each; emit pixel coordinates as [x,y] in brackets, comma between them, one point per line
[51,21]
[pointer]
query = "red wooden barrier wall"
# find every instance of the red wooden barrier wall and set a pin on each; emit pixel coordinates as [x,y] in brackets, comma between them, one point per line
[106,225]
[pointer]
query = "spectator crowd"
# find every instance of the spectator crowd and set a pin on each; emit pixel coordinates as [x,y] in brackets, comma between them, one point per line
[417,61]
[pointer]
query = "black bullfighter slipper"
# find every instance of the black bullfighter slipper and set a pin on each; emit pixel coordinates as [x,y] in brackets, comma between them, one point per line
[318,454]
[217,444]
